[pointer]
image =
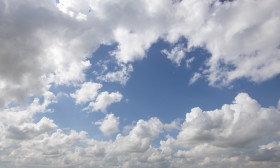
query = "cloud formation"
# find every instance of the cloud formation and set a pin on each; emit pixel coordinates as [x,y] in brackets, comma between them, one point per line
[44,44]
[49,43]
[218,138]
[87,92]
[109,125]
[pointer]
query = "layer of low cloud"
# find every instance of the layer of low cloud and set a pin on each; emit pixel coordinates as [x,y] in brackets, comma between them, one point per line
[217,138]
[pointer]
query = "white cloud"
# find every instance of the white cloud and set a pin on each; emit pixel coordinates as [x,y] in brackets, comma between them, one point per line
[229,127]
[44,43]
[30,130]
[57,41]
[177,54]
[174,125]
[87,92]
[189,61]
[218,138]
[194,78]
[236,34]
[103,100]
[120,76]
[109,125]
[139,138]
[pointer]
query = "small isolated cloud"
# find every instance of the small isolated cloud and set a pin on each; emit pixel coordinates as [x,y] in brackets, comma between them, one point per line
[189,61]
[120,76]
[109,125]
[177,54]
[87,92]
[194,78]
[103,100]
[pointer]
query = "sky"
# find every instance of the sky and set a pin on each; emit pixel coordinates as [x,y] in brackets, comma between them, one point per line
[139,84]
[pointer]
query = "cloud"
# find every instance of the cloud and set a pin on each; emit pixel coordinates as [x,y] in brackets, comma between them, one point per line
[120,76]
[228,127]
[109,125]
[218,138]
[189,61]
[103,100]
[266,153]
[194,78]
[30,130]
[45,44]
[174,125]
[139,138]
[177,54]
[54,46]
[87,92]
[236,35]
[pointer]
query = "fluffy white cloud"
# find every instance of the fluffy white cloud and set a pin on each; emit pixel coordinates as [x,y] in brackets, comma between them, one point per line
[87,92]
[103,100]
[236,34]
[120,76]
[139,138]
[177,54]
[109,125]
[239,125]
[43,43]
[52,46]
[218,138]
[30,130]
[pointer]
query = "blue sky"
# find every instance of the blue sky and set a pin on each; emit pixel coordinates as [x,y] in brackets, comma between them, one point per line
[123,84]
[158,88]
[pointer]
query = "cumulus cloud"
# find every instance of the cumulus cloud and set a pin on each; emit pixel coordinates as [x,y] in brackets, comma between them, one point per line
[266,153]
[177,54]
[229,126]
[120,76]
[59,38]
[109,125]
[44,43]
[217,138]
[30,130]
[140,137]
[87,92]
[103,100]
[37,49]
[236,34]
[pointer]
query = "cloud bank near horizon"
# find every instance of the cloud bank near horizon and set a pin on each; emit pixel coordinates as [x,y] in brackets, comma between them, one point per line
[241,134]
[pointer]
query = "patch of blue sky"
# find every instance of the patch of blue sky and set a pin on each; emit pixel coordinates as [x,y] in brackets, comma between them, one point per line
[157,88]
